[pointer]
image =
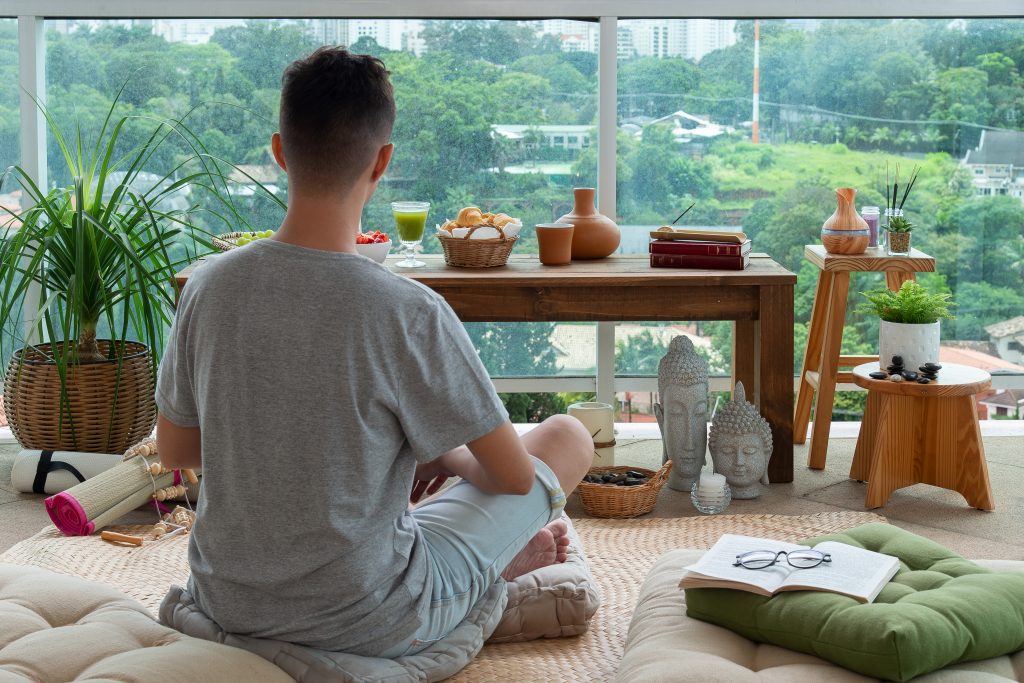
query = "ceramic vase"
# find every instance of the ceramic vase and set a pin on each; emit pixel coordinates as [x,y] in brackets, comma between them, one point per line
[917,344]
[845,232]
[595,235]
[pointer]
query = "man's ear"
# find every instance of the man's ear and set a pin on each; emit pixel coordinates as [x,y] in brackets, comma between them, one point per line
[278,151]
[383,159]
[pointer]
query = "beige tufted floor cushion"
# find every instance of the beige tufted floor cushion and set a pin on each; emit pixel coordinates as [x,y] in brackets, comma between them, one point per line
[666,646]
[63,628]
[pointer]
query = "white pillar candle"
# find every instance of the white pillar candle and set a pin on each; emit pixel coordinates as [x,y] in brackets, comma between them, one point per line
[711,485]
[599,419]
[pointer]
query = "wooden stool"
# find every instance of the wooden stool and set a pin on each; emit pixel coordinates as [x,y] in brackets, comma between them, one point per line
[822,361]
[922,434]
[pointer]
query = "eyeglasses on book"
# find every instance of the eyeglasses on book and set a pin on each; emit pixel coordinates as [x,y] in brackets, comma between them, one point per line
[762,559]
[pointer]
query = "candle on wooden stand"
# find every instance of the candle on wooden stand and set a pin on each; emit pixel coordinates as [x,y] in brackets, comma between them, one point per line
[599,420]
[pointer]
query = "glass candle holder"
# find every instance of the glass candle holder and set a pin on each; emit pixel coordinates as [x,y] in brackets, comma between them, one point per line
[710,494]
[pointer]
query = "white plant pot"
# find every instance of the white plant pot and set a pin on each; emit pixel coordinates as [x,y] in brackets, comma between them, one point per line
[917,344]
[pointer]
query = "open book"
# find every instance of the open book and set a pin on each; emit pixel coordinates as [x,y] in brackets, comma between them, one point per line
[853,571]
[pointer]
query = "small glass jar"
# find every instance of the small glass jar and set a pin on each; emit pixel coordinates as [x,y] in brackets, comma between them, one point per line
[871,215]
[710,501]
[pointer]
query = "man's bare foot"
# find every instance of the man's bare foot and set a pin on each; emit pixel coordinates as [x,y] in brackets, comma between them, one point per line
[549,546]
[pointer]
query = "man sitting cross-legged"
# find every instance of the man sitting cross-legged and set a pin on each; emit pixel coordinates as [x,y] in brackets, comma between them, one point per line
[315,388]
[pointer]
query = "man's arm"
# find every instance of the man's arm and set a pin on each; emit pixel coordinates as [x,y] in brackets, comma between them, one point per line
[179,447]
[495,463]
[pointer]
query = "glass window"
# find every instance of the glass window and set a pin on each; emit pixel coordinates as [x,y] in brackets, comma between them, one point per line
[484,109]
[943,96]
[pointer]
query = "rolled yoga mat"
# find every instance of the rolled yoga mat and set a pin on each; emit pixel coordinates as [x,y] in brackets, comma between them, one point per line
[36,471]
[88,507]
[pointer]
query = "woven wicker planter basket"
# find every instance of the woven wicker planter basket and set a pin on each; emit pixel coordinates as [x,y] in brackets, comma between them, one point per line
[464,252]
[91,421]
[602,500]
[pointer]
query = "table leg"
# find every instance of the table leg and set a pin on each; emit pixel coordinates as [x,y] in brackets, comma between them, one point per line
[953,454]
[829,368]
[775,367]
[812,356]
[745,357]
[896,450]
[866,439]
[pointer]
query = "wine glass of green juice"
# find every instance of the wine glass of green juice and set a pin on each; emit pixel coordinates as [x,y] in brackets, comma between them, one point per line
[411,219]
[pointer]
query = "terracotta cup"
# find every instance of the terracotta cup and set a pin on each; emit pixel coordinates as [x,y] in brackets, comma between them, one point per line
[554,242]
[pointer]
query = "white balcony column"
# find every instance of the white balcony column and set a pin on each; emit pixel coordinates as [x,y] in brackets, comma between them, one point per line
[32,82]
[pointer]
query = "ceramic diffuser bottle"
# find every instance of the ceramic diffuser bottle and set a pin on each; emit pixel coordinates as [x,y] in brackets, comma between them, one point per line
[845,232]
[595,235]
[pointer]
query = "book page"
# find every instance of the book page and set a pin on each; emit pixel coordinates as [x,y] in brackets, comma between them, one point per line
[853,571]
[717,562]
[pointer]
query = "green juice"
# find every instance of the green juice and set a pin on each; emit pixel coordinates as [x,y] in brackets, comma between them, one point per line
[410,225]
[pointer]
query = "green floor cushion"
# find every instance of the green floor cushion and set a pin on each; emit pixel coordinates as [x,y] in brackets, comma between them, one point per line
[939,609]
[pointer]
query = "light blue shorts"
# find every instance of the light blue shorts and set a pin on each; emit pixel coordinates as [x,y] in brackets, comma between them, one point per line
[470,538]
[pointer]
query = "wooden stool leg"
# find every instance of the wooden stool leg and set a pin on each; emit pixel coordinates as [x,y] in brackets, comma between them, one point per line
[895,453]
[894,279]
[829,367]
[954,457]
[861,466]
[812,356]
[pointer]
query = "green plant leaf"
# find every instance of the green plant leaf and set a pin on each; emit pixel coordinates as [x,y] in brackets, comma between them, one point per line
[912,304]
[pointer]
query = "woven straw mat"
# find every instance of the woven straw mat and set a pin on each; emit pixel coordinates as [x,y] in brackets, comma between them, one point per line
[620,553]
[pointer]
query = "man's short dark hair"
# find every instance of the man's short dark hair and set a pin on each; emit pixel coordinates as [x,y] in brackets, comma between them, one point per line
[337,110]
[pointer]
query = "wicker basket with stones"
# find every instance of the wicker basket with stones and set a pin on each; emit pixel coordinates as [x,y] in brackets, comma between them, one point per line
[623,494]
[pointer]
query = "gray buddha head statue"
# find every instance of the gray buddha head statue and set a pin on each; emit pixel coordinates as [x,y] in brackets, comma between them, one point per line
[682,412]
[741,444]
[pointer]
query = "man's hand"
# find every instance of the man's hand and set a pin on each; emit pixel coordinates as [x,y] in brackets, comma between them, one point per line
[429,479]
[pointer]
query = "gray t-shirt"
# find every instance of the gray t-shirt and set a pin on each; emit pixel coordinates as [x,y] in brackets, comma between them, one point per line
[319,380]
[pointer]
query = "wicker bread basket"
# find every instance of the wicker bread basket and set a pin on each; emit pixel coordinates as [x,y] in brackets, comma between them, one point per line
[603,500]
[464,252]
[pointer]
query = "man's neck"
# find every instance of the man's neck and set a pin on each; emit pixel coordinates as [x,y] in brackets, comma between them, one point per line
[328,224]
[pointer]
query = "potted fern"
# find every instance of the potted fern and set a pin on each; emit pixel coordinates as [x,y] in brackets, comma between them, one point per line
[97,256]
[909,323]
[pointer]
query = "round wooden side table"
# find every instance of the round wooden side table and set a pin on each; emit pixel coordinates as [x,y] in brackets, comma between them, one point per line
[922,434]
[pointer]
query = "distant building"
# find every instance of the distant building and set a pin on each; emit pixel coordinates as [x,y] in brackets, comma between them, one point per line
[190,31]
[245,179]
[688,128]
[574,36]
[561,136]
[1008,337]
[997,164]
[1006,403]
[393,34]
[688,38]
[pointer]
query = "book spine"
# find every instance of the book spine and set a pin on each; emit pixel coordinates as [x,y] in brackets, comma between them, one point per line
[704,262]
[695,248]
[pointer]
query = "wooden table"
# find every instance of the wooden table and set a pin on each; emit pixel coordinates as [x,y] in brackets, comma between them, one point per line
[922,434]
[822,359]
[759,300]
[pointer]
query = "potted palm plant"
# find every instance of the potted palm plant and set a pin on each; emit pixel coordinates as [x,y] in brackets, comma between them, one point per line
[97,255]
[909,323]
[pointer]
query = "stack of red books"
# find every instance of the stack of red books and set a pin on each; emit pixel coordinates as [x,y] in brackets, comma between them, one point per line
[709,251]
